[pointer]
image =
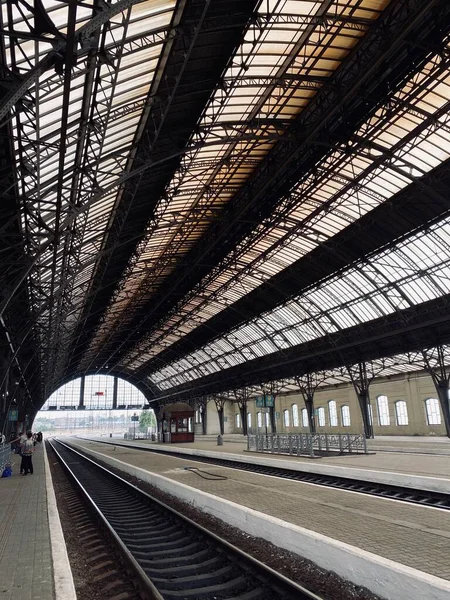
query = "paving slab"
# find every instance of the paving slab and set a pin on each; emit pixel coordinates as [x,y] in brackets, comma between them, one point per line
[428,465]
[26,569]
[415,536]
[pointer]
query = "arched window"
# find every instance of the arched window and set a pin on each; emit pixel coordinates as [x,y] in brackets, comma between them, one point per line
[401,413]
[295,415]
[286,418]
[433,411]
[383,410]
[305,421]
[321,416]
[259,419]
[332,412]
[238,420]
[370,414]
[267,417]
[249,420]
[345,416]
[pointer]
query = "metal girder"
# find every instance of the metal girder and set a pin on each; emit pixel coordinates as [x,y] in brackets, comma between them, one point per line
[365,65]
[410,330]
[59,43]
[435,186]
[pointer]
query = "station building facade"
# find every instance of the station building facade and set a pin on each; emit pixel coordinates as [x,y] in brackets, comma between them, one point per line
[400,405]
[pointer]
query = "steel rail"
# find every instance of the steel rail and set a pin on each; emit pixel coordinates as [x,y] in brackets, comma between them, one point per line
[426,498]
[161,544]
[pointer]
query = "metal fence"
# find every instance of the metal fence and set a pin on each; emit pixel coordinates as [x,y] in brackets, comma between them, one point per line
[308,444]
[5,456]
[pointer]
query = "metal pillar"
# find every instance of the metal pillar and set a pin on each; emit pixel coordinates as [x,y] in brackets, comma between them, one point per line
[308,384]
[436,362]
[364,405]
[220,404]
[114,402]
[309,403]
[361,381]
[81,400]
[442,389]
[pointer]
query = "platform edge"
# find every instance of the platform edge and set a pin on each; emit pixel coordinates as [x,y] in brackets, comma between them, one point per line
[62,572]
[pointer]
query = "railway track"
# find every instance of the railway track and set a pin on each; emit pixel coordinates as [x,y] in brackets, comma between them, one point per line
[171,557]
[402,494]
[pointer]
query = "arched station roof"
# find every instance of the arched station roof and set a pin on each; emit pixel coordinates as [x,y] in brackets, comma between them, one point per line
[200,195]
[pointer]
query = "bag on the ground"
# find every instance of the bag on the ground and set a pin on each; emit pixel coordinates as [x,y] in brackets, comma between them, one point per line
[7,471]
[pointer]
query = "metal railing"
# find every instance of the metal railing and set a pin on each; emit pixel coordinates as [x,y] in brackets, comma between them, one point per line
[5,456]
[308,444]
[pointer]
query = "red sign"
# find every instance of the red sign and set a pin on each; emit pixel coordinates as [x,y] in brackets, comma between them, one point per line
[99,394]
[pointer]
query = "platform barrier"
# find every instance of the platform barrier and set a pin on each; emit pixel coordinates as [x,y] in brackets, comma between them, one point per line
[308,444]
[5,456]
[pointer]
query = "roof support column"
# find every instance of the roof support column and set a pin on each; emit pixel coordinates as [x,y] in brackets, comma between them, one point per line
[219,401]
[242,396]
[308,385]
[435,363]
[202,404]
[114,402]
[361,381]
[81,399]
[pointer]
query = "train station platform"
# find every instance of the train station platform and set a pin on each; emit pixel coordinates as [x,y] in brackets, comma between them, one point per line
[33,558]
[371,541]
[425,470]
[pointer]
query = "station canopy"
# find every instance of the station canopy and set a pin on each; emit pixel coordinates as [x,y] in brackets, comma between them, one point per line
[205,195]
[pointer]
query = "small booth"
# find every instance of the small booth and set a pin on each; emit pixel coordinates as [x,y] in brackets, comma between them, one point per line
[176,423]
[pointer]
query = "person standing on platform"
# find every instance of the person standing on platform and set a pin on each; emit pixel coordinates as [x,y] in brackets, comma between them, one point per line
[27,452]
[22,439]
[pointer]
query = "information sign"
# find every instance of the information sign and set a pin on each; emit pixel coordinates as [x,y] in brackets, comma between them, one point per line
[270,401]
[266,401]
[13,415]
[259,401]
[277,415]
[135,418]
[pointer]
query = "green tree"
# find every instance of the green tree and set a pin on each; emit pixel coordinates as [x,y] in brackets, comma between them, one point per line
[146,420]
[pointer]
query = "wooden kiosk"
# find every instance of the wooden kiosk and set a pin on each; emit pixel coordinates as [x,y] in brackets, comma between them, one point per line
[176,423]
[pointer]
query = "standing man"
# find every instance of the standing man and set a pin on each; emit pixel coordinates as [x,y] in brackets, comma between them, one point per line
[22,439]
[27,452]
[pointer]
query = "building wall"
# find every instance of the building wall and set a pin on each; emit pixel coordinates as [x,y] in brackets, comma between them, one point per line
[414,389]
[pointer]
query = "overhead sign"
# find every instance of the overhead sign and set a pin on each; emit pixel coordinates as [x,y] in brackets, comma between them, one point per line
[13,415]
[265,401]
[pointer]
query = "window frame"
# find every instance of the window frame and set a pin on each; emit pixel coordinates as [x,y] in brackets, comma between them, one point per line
[321,417]
[436,413]
[305,422]
[384,418]
[398,416]
[344,418]
[334,422]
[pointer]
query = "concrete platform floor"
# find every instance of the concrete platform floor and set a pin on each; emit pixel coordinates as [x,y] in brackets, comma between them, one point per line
[412,535]
[399,461]
[26,571]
